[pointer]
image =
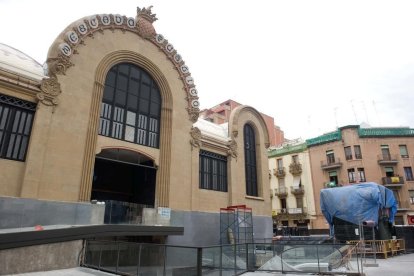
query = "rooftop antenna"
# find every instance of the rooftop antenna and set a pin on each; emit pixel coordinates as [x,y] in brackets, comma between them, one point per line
[375,108]
[336,119]
[365,110]
[353,109]
[309,124]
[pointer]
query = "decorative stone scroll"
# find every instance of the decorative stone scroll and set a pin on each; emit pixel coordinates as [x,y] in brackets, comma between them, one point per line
[50,89]
[196,137]
[141,25]
[192,94]
[232,151]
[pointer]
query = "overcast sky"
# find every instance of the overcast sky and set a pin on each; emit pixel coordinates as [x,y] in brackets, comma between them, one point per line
[312,65]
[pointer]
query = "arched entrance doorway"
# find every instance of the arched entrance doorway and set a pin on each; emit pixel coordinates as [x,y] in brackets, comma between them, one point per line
[125,181]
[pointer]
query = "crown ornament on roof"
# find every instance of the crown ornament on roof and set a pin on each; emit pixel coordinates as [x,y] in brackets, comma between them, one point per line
[147,14]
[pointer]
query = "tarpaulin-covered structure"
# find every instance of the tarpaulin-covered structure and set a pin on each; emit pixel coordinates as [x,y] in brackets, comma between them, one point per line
[357,203]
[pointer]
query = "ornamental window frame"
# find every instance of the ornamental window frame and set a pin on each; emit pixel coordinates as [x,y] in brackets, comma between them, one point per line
[213,171]
[131,106]
[250,161]
[16,122]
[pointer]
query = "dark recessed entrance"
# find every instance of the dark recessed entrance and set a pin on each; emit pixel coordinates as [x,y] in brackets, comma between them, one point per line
[125,181]
[124,176]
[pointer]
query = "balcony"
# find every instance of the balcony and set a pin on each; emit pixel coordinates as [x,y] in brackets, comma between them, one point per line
[281,192]
[387,159]
[279,172]
[331,185]
[295,168]
[331,163]
[297,190]
[292,213]
[393,181]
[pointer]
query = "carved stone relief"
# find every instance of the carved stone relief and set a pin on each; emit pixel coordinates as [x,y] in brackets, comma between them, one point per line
[195,138]
[86,27]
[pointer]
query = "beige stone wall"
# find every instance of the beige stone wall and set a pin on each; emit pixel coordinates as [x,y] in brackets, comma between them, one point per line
[261,205]
[212,201]
[64,138]
[66,133]
[11,179]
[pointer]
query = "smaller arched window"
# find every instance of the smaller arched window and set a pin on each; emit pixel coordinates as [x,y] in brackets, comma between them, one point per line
[250,160]
[131,106]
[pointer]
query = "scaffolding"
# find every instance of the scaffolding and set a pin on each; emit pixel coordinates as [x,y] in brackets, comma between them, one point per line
[236,225]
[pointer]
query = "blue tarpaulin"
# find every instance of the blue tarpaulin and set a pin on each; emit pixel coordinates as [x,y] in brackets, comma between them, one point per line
[357,203]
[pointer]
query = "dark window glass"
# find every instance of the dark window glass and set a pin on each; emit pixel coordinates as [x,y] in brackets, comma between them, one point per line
[408,173]
[135,73]
[213,171]
[351,175]
[357,151]
[110,78]
[145,78]
[361,175]
[122,82]
[348,153]
[145,91]
[385,151]
[133,87]
[403,151]
[16,118]
[133,102]
[108,94]
[120,98]
[124,68]
[250,161]
[279,164]
[144,105]
[330,157]
[127,113]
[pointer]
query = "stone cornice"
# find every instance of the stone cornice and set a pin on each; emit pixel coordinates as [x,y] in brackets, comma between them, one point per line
[14,80]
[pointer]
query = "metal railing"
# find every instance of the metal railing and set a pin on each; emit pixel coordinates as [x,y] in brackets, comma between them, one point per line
[292,211]
[297,190]
[387,159]
[393,180]
[331,162]
[127,258]
[281,191]
[279,172]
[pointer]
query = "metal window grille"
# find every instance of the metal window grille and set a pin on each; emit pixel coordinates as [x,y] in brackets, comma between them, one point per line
[16,119]
[126,108]
[250,161]
[213,171]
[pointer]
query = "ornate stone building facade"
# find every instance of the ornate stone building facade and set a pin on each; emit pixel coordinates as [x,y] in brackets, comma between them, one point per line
[113,115]
[293,205]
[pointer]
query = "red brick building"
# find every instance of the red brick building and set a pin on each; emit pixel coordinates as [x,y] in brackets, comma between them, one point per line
[220,114]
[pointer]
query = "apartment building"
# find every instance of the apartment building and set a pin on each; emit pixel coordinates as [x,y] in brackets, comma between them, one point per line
[220,114]
[353,154]
[291,187]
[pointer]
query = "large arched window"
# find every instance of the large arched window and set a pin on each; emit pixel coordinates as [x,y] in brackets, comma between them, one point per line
[250,160]
[131,106]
